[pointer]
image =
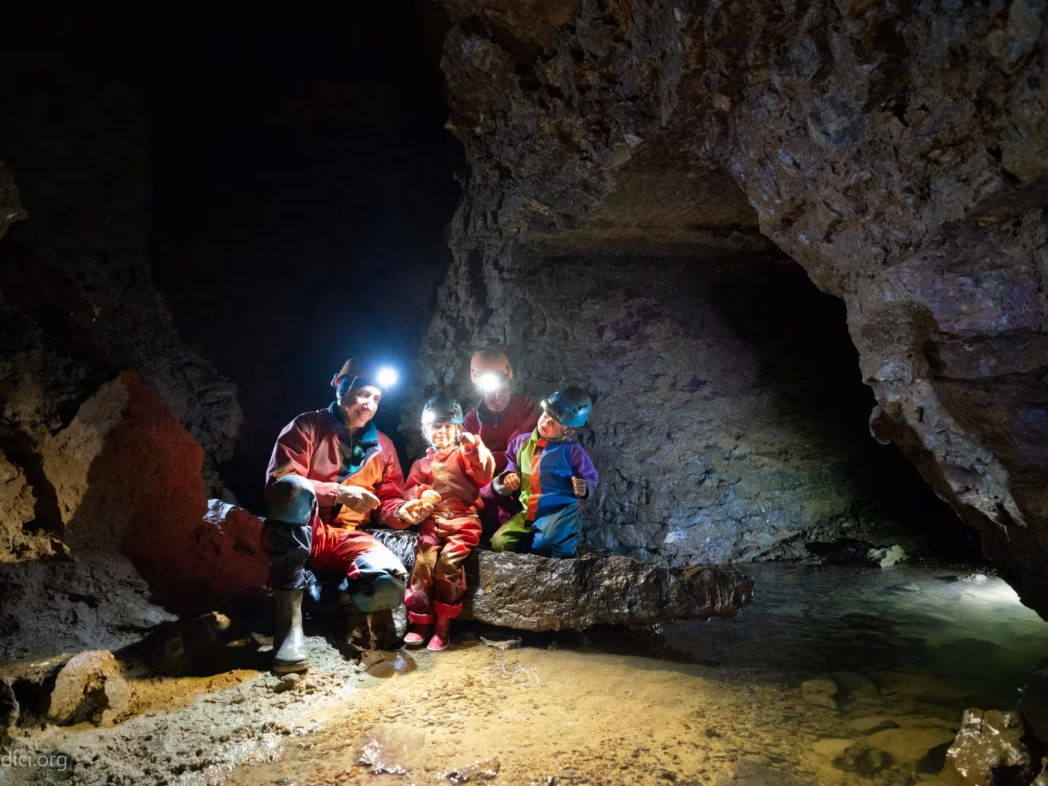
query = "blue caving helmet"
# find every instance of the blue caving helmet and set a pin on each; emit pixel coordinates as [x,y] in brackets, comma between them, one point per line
[569,407]
[442,409]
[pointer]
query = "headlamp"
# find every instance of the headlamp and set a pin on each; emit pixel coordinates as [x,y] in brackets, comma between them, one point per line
[491,382]
[387,377]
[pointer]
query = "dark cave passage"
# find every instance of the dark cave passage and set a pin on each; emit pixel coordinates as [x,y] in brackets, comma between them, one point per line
[302,182]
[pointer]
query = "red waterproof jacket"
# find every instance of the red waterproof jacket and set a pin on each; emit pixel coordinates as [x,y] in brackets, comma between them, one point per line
[520,416]
[319,446]
[457,474]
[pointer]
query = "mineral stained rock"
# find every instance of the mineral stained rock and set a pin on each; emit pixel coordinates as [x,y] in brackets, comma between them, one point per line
[528,592]
[897,152]
[993,748]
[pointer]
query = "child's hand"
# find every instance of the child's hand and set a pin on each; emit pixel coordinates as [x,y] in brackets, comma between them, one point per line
[468,441]
[511,482]
[414,512]
[580,487]
[430,497]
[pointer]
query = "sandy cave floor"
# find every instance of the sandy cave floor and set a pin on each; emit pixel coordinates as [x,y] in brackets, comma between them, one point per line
[702,703]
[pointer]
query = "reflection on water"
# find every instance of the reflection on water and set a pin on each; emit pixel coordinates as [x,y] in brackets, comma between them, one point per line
[833,676]
[964,629]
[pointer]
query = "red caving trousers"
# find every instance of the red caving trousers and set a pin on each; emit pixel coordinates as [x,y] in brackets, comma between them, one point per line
[438,580]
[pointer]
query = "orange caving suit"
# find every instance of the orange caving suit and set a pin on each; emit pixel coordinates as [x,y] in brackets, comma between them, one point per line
[446,538]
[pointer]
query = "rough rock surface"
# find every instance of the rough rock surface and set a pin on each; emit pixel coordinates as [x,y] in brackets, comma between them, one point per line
[17,508]
[88,688]
[229,549]
[719,435]
[896,151]
[993,748]
[125,477]
[94,601]
[528,592]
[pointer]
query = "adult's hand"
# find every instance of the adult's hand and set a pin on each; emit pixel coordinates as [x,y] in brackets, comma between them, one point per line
[580,487]
[414,512]
[430,497]
[356,499]
[511,482]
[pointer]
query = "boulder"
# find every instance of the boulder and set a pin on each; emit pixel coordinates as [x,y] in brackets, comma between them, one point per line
[126,476]
[228,559]
[528,592]
[993,748]
[89,687]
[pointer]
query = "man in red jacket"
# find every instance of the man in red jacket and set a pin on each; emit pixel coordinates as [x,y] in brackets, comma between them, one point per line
[331,472]
[500,416]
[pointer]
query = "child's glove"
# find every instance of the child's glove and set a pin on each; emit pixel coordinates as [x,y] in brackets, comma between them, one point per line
[580,487]
[511,482]
[468,441]
[430,497]
[356,499]
[414,512]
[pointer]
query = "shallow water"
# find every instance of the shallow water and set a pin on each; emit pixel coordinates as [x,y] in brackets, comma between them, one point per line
[717,702]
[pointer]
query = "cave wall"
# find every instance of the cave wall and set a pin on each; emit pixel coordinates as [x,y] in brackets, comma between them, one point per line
[729,421]
[77,300]
[896,151]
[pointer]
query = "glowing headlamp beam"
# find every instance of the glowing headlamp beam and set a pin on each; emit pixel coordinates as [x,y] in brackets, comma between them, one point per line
[387,377]
[491,382]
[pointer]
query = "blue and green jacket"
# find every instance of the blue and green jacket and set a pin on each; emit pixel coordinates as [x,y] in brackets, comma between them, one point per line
[546,467]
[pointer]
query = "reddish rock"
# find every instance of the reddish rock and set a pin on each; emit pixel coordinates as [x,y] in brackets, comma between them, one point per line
[127,476]
[227,545]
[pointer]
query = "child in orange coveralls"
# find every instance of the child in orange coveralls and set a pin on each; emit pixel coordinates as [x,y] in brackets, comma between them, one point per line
[448,479]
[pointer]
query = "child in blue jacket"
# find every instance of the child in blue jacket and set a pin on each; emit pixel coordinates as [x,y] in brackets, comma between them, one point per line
[554,474]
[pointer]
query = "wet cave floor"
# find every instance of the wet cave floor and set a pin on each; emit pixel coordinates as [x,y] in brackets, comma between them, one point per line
[905,651]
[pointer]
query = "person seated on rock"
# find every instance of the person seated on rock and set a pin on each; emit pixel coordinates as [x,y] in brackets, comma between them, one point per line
[332,471]
[500,416]
[448,481]
[553,473]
